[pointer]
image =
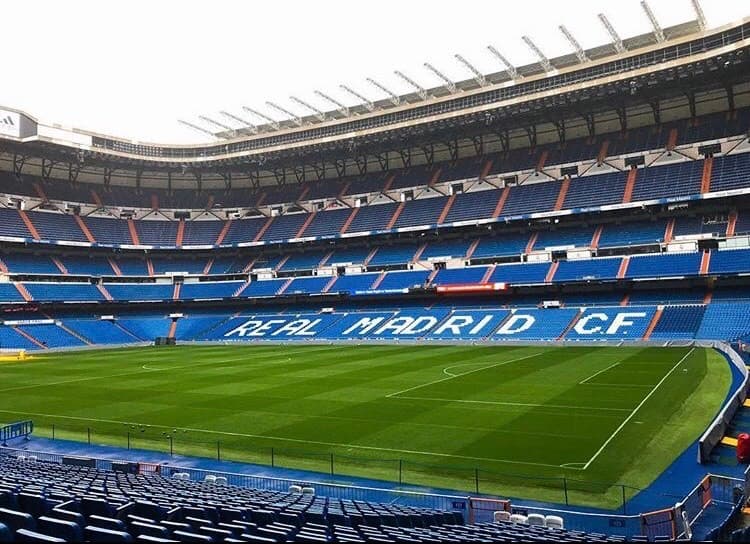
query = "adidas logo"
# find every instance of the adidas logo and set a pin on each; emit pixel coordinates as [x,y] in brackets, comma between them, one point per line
[7,120]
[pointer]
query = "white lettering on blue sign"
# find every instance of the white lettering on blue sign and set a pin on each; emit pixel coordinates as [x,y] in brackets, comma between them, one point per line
[517,323]
[620,320]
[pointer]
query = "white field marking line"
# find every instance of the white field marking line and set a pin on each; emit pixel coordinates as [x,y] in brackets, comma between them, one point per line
[522,404]
[627,420]
[641,385]
[133,373]
[285,439]
[597,373]
[391,395]
[452,375]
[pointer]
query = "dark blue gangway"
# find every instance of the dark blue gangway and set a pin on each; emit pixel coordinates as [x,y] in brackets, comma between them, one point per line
[16,430]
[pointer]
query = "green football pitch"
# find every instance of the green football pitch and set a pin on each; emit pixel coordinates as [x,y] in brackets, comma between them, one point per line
[537,422]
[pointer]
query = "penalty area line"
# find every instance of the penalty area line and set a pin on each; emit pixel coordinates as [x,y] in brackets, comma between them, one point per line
[635,410]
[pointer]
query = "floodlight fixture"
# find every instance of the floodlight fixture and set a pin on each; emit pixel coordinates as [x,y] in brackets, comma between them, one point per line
[319,114]
[616,40]
[197,128]
[658,32]
[343,109]
[365,102]
[215,123]
[269,120]
[420,90]
[447,82]
[543,60]
[293,116]
[246,125]
[393,97]
[478,76]
[508,66]
[699,16]
[574,44]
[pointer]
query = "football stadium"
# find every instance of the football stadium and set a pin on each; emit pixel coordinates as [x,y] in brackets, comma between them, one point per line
[514,307]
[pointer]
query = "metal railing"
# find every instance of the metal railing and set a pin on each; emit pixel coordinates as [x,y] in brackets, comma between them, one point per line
[16,430]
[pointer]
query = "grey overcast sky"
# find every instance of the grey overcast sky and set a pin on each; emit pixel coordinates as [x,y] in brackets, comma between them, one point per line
[133,68]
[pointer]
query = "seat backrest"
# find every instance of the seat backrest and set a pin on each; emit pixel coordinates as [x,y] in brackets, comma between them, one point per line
[139,528]
[5,534]
[67,515]
[100,534]
[68,530]
[24,535]
[16,520]
[185,536]
[107,523]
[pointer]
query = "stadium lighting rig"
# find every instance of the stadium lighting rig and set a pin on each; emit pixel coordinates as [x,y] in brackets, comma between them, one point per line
[447,82]
[616,40]
[543,60]
[699,15]
[365,102]
[478,76]
[197,128]
[272,122]
[246,125]
[420,90]
[574,44]
[508,66]
[658,32]
[318,113]
[393,97]
[343,109]
[215,123]
[293,116]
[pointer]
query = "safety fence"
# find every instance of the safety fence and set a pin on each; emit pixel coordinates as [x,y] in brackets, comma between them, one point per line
[21,429]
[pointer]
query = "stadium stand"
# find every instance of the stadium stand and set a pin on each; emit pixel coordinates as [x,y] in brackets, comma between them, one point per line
[607,226]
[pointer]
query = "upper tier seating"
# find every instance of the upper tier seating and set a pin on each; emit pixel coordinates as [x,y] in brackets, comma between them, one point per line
[656,181]
[425,211]
[56,226]
[353,282]
[520,273]
[595,190]
[373,217]
[285,227]
[108,231]
[664,265]
[210,290]
[327,223]
[202,233]
[501,245]
[244,230]
[604,268]
[534,197]
[673,180]
[129,292]
[630,234]
[456,249]
[63,292]
[472,274]
[389,255]
[473,206]
[12,225]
